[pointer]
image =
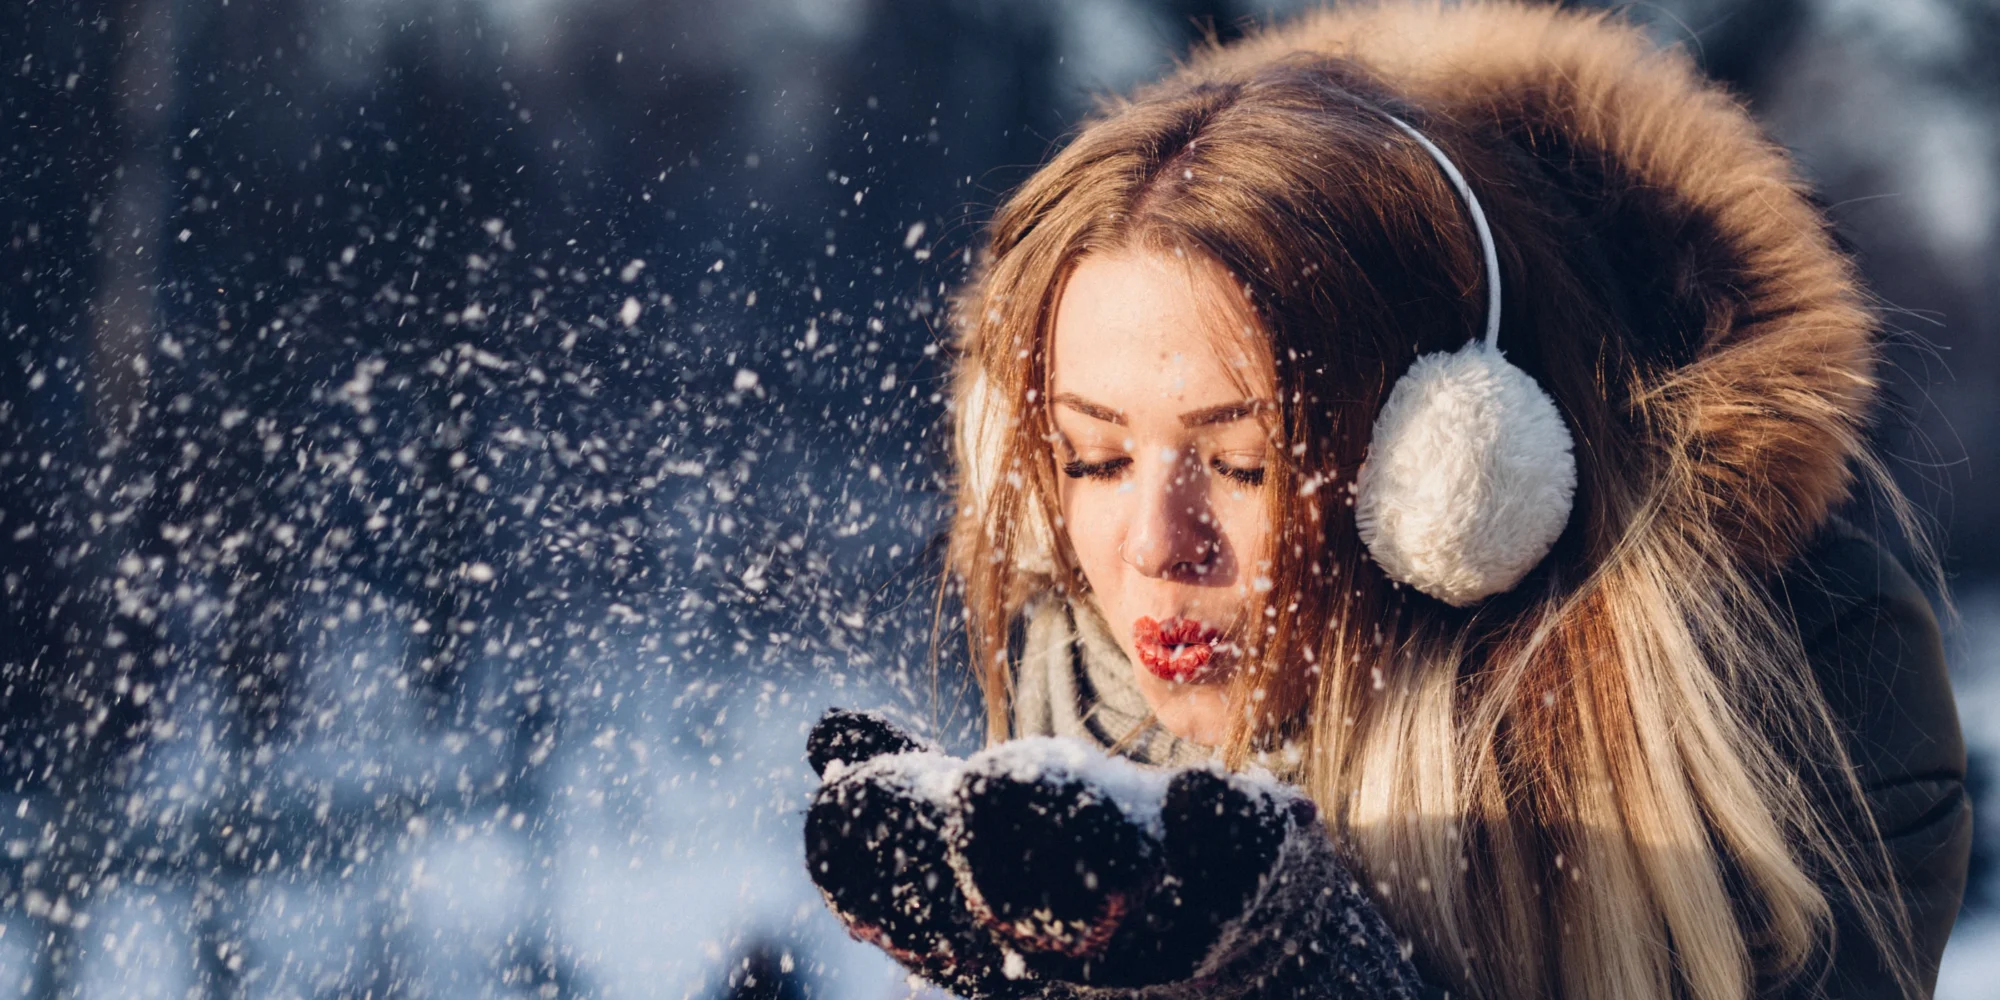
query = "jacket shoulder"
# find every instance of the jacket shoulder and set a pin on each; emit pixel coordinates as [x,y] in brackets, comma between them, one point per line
[1875,650]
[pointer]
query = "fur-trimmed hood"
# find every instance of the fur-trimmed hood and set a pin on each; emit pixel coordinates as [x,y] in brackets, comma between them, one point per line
[1773,395]
[1766,344]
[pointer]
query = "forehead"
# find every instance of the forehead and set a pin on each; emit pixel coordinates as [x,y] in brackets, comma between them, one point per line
[1137,328]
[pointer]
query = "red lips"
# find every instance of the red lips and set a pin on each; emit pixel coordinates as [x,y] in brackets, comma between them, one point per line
[1177,649]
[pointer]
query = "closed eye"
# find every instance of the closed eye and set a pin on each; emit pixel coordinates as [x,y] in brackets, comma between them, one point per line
[1246,476]
[1107,469]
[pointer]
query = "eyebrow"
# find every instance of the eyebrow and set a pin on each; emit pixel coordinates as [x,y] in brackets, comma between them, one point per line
[1207,416]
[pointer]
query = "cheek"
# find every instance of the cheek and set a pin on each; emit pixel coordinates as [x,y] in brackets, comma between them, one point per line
[1239,518]
[1092,518]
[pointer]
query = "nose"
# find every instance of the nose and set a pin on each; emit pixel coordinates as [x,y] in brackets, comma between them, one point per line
[1169,533]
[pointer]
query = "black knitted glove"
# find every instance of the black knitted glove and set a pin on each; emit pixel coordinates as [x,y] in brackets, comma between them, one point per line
[1042,868]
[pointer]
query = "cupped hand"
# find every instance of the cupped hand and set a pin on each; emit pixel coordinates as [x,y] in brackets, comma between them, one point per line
[1041,867]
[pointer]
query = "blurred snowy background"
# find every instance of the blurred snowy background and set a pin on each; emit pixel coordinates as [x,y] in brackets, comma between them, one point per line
[450,449]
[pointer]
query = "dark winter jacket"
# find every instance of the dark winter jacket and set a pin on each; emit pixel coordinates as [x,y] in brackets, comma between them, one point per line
[1874,646]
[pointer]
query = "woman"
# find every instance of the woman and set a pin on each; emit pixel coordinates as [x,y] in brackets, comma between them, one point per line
[1443,410]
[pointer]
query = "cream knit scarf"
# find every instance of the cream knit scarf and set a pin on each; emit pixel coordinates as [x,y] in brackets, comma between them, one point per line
[1072,680]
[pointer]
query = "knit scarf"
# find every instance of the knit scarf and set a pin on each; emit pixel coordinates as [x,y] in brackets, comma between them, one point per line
[1072,679]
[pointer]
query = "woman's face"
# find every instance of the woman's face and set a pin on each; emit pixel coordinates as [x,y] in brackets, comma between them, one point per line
[1161,418]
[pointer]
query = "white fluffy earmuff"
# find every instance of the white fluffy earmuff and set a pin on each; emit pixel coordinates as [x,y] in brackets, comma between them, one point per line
[1470,475]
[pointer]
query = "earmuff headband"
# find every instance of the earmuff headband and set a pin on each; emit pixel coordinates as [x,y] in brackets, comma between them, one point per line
[1478,222]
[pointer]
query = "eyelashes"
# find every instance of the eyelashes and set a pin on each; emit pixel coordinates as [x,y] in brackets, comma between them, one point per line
[1111,467]
[1077,468]
[1248,477]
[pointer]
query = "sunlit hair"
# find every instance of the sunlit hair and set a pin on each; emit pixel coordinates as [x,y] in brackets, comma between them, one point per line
[1592,786]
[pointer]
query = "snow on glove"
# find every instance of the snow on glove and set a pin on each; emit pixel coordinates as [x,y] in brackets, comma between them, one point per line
[1042,868]
[875,846]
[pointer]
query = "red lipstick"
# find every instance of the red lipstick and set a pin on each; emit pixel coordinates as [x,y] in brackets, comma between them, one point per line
[1178,649]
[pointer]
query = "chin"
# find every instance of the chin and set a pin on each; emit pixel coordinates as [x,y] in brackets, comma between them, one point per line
[1195,712]
[1206,728]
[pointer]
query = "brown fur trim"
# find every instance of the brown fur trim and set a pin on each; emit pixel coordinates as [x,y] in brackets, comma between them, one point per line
[1769,361]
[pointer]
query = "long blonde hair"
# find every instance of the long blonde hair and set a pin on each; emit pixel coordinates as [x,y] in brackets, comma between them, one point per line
[1613,780]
